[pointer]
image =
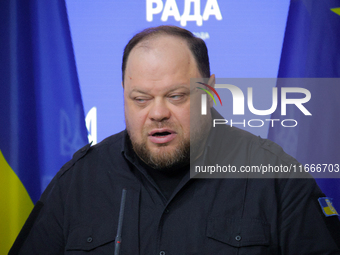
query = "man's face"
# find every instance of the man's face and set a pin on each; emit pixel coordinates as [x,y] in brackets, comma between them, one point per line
[157,100]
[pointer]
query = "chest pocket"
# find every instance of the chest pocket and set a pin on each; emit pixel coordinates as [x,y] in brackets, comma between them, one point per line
[239,232]
[97,238]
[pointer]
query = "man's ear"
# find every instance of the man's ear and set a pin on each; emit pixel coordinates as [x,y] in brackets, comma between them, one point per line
[123,85]
[211,83]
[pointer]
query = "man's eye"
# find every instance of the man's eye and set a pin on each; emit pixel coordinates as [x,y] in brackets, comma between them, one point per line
[141,100]
[176,97]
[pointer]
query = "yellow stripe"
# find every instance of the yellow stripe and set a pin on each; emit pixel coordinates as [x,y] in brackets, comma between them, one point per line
[328,211]
[15,203]
[336,10]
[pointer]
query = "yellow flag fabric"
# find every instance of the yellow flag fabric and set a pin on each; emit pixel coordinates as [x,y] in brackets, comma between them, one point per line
[15,203]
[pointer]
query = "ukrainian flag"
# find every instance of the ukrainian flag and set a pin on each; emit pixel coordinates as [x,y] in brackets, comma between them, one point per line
[41,114]
[327,206]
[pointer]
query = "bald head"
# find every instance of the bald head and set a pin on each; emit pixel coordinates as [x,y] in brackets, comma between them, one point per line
[160,56]
[148,37]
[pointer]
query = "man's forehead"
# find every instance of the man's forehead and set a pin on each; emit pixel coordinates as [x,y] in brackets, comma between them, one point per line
[162,44]
[161,59]
[160,49]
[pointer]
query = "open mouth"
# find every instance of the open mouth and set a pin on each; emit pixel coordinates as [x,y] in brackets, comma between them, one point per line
[162,136]
[161,133]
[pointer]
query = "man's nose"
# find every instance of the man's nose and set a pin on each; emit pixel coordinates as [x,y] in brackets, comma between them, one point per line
[159,110]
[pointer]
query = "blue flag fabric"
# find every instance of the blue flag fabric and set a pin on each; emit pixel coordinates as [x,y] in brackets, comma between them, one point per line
[41,113]
[311,50]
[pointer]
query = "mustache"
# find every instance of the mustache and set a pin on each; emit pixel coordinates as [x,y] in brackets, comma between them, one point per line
[161,124]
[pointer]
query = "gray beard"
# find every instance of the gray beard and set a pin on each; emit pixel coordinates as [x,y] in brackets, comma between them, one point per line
[163,160]
[168,161]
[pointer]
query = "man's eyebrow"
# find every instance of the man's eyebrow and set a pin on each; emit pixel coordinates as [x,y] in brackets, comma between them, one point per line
[181,86]
[138,91]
